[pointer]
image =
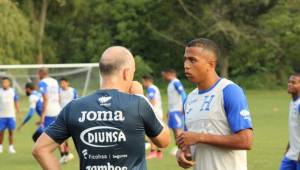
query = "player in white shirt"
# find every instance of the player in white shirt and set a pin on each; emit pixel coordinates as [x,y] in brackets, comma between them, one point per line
[176,97]
[49,88]
[153,95]
[291,160]
[66,95]
[9,104]
[218,126]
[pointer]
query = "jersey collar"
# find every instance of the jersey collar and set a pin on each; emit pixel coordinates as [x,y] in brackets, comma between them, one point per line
[209,89]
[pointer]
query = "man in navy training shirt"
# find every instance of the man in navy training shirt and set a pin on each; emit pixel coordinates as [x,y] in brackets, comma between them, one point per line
[108,126]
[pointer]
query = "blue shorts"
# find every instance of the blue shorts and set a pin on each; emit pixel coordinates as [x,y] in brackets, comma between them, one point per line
[9,123]
[176,120]
[49,120]
[287,164]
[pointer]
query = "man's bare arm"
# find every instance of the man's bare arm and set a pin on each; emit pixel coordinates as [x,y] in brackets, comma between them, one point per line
[238,141]
[43,151]
[163,139]
[45,103]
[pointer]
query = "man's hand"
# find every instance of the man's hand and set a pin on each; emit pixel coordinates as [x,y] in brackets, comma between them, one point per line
[184,159]
[187,139]
[20,127]
[299,158]
[41,121]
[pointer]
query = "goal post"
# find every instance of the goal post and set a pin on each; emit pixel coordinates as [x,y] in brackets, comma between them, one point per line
[82,76]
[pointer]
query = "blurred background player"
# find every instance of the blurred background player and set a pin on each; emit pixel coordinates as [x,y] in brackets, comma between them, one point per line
[176,97]
[292,155]
[8,106]
[36,104]
[153,94]
[66,95]
[49,88]
[66,92]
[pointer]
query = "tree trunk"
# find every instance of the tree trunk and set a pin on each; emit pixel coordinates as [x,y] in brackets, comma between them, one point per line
[42,22]
[224,66]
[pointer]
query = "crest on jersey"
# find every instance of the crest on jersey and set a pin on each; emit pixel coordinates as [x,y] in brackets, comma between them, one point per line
[104,101]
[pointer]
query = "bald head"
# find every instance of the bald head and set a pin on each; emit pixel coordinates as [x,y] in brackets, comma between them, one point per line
[114,59]
[43,72]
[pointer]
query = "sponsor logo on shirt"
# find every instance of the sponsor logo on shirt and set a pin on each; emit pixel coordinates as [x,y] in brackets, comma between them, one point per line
[245,114]
[108,166]
[104,101]
[102,136]
[101,116]
[87,155]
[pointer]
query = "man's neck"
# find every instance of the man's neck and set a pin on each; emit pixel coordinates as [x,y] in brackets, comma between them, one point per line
[66,88]
[108,84]
[295,96]
[209,82]
[173,78]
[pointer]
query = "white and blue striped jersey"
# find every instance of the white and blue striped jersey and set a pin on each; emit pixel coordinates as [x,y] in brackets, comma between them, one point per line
[49,87]
[153,93]
[8,97]
[65,96]
[220,110]
[176,96]
[294,130]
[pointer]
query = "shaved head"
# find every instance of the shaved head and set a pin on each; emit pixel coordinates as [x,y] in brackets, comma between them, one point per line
[43,72]
[114,59]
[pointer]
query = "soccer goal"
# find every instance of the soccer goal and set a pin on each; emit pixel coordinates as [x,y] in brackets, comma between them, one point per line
[83,77]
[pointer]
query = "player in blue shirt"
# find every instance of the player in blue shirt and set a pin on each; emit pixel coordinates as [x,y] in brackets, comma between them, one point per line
[108,127]
[35,106]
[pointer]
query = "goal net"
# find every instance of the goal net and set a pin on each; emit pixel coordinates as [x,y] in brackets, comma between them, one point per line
[83,77]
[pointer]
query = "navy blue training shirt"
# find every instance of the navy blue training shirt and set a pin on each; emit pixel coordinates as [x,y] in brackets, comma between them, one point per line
[108,128]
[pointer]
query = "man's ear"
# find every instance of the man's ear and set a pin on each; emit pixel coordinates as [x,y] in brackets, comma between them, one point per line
[126,74]
[213,64]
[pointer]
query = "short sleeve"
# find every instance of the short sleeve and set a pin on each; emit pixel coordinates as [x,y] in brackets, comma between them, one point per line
[43,87]
[16,96]
[75,94]
[59,130]
[32,101]
[150,93]
[153,125]
[236,108]
[179,87]
[299,108]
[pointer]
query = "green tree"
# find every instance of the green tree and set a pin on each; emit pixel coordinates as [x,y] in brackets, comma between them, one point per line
[16,40]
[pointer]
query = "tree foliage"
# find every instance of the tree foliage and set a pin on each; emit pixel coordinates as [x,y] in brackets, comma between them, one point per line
[258,38]
[16,40]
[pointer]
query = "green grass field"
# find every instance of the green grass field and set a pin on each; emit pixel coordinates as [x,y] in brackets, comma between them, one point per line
[269,112]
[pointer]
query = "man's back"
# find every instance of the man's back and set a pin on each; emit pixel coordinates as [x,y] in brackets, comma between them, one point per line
[49,86]
[108,129]
[176,95]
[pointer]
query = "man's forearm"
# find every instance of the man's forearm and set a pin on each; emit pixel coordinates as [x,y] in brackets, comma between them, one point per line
[47,160]
[17,106]
[45,103]
[234,141]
